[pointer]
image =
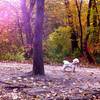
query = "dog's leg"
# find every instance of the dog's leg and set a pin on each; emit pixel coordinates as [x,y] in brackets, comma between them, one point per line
[73,68]
[64,67]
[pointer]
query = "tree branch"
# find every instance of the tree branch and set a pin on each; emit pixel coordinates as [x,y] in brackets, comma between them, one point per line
[32,3]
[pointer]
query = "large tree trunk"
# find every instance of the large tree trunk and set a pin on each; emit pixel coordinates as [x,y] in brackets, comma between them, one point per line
[89,57]
[38,66]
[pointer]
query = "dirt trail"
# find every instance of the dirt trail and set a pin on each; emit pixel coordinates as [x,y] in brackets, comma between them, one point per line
[92,75]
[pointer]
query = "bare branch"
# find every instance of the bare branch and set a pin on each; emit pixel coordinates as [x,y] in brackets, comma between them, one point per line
[32,3]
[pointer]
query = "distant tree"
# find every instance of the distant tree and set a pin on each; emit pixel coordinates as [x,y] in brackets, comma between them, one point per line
[74,34]
[96,23]
[26,16]
[54,16]
[79,8]
[86,51]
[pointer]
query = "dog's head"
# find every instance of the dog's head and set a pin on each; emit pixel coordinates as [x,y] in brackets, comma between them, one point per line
[76,61]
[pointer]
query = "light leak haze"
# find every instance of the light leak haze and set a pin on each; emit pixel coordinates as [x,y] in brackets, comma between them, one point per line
[14,2]
[7,11]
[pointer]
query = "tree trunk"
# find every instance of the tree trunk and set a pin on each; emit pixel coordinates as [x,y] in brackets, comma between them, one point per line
[26,23]
[38,66]
[80,23]
[95,23]
[89,57]
[74,34]
[81,37]
[86,52]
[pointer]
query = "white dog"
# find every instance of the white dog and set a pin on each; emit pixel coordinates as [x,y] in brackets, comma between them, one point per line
[72,65]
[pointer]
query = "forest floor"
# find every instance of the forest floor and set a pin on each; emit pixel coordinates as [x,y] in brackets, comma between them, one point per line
[84,84]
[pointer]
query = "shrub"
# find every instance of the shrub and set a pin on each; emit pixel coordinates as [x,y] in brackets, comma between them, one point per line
[76,53]
[58,44]
[11,52]
[97,58]
[19,57]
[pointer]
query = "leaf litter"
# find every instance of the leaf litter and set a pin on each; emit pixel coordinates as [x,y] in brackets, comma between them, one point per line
[84,84]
